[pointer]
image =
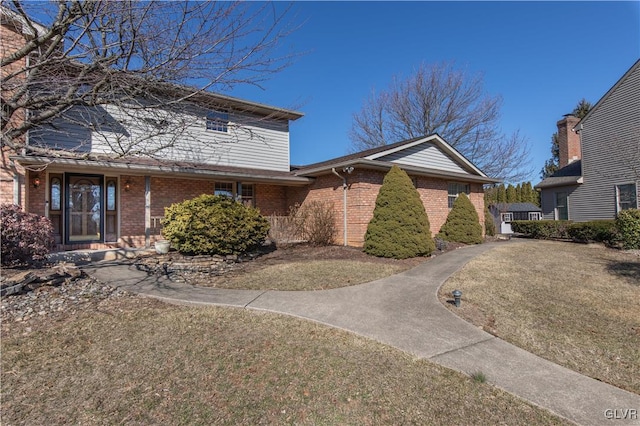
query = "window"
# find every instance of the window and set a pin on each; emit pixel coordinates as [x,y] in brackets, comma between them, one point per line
[218,121]
[455,189]
[223,188]
[506,217]
[535,216]
[627,196]
[562,210]
[56,193]
[246,194]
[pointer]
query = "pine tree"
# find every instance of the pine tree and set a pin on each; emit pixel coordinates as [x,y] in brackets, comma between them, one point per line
[400,225]
[511,194]
[518,193]
[502,194]
[462,224]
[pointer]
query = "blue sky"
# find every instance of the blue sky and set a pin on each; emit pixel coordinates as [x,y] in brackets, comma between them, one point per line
[541,57]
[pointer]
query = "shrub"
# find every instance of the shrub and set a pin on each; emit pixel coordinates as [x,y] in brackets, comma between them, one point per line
[628,223]
[462,224]
[214,224]
[400,226]
[26,238]
[489,224]
[542,229]
[603,231]
[318,222]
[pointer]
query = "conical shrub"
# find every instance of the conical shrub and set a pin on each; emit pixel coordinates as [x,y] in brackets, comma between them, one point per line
[400,226]
[462,224]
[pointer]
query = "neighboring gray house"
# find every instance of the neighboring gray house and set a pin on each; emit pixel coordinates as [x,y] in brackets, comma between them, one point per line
[599,158]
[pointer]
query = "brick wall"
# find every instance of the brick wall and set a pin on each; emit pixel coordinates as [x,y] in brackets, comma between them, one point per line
[271,200]
[364,186]
[11,40]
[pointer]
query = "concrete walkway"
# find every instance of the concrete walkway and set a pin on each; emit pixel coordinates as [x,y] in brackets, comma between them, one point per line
[403,311]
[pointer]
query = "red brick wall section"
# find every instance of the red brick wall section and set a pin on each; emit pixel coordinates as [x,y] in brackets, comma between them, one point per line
[36,196]
[167,191]
[132,227]
[10,40]
[271,200]
[364,186]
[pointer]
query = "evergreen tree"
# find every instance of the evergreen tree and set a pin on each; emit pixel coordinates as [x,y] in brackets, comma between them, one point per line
[511,194]
[518,193]
[462,224]
[502,194]
[400,225]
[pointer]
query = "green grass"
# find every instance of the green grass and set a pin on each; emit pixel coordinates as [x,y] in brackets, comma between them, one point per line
[142,362]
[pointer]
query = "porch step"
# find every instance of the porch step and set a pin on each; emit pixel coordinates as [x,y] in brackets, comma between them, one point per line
[79,257]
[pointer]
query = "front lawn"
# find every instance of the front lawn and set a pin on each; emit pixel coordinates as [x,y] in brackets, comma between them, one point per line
[574,304]
[139,361]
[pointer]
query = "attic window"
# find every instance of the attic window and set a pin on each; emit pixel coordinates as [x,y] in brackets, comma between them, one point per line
[218,121]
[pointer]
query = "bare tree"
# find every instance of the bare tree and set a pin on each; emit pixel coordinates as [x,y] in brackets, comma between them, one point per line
[83,59]
[440,99]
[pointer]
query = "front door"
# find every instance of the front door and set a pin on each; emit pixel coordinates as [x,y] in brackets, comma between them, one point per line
[84,208]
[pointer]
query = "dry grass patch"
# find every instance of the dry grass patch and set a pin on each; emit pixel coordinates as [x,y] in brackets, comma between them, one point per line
[311,275]
[143,362]
[573,304]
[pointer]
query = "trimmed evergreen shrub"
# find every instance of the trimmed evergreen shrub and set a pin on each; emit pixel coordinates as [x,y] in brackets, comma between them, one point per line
[26,237]
[542,229]
[400,226]
[601,231]
[462,224]
[214,224]
[628,223]
[489,224]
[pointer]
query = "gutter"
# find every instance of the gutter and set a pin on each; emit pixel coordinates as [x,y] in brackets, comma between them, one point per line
[344,203]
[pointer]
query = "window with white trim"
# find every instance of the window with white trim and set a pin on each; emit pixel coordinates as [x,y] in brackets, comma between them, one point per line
[218,121]
[626,196]
[456,189]
[506,217]
[535,216]
[562,207]
[246,194]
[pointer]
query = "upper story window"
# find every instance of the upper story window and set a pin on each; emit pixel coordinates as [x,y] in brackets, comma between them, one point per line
[456,189]
[218,121]
[626,196]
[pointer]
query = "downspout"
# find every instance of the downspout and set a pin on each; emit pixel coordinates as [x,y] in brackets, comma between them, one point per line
[344,202]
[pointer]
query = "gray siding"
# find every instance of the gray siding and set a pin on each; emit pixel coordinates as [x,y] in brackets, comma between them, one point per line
[424,155]
[610,150]
[548,201]
[250,142]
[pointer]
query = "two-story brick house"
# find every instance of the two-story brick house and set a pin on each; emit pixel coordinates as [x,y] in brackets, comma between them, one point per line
[599,171]
[78,172]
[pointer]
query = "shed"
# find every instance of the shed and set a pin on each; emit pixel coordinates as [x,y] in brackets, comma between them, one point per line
[504,213]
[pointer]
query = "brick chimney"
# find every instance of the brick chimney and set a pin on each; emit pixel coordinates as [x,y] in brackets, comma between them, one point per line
[568,140]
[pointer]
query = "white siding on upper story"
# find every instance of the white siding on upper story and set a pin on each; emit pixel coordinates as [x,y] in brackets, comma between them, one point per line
[250,142]
[610,150]
[426,155]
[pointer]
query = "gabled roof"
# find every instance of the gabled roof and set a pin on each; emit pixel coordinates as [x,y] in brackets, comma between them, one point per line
[571,174]
[516,207]
[609,92]
[374,158]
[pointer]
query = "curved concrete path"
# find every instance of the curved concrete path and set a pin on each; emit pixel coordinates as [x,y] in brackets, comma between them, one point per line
[403,311]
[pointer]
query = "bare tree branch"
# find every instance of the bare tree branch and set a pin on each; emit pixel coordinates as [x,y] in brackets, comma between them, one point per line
[440,99]
[130,55]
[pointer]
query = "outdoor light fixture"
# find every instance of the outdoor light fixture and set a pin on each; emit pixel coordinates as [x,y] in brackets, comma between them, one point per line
[127,185]
[36,181]
[457,294]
